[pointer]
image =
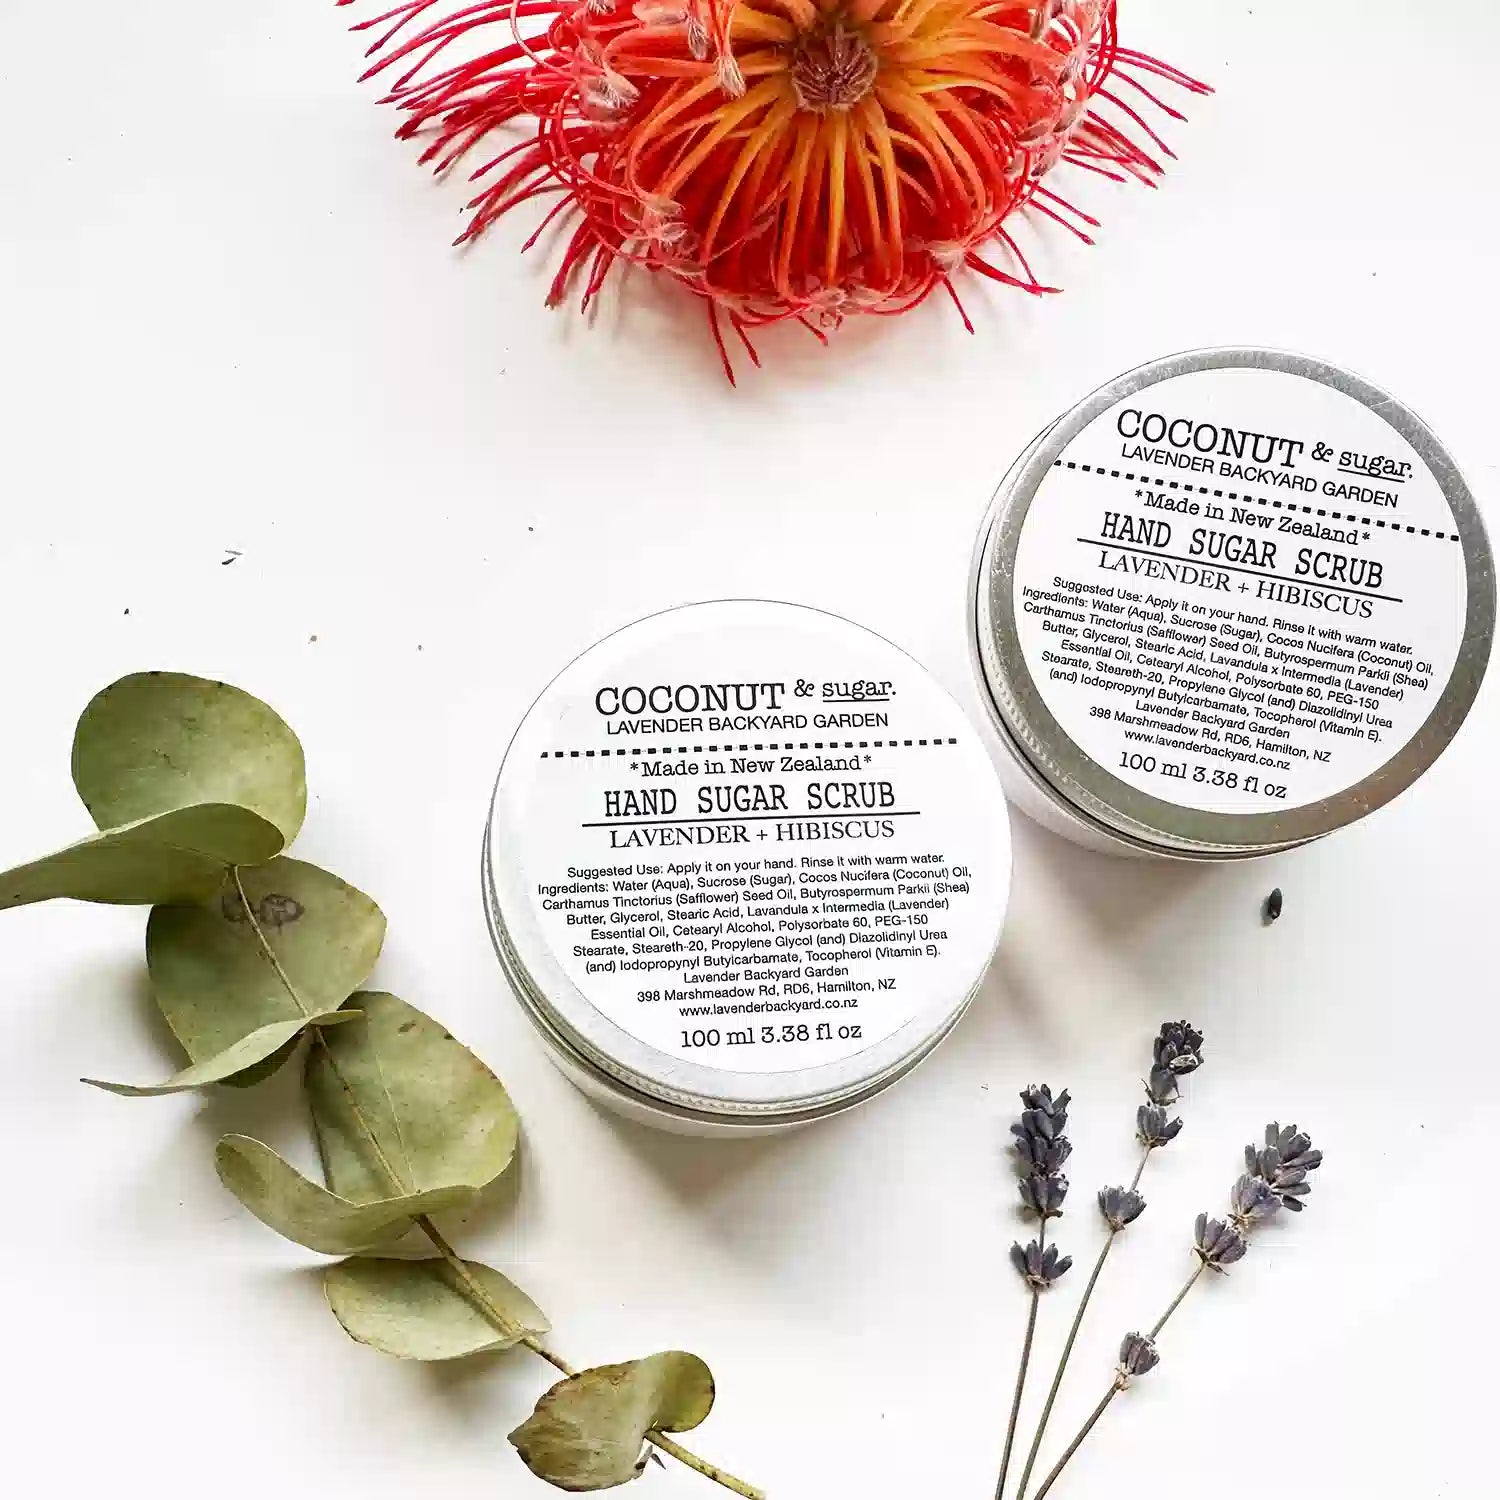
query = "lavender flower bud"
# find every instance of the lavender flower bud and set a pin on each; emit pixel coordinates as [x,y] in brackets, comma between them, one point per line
[1040,1096]
[1138,1356]
[1294,1147]
[1289,1183]
[1218,1244]
[1120,1206]
[1040,1268]
[1041,1156]
[1252,1201]
[1044,1195]
[1153,1126]
[1038,1100]
[1161,1086]
[1290,1187]
[1287,1177]
[1039,1125]
[1178,1048]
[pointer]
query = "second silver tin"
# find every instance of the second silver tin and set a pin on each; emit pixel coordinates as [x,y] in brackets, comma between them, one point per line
[1233,601]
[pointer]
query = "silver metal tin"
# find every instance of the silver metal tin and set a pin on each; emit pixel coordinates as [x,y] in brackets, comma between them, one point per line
[558,810]
[1058,781]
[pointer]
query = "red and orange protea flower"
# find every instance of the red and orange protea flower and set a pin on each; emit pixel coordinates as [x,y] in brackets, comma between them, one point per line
[799,159]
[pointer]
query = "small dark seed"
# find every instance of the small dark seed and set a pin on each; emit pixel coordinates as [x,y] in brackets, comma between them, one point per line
[1272,909]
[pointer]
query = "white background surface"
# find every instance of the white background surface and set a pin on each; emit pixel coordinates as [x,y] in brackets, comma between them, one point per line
[230,321]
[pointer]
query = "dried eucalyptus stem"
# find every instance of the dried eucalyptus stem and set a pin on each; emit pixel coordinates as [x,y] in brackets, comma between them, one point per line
[197,790]
[472,1289]
[1276,1178]
[1042,1149]
[1178,1050]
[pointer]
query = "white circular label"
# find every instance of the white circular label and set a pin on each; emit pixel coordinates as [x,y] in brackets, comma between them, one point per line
[754,836]
[1240,590]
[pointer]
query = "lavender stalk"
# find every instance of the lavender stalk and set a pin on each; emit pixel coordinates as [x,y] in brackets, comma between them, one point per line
[1178,1050]
[1042,1149]
[1277,1179]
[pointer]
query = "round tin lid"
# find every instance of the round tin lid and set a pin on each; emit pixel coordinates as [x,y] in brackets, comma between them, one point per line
[1233,601]
[747,857]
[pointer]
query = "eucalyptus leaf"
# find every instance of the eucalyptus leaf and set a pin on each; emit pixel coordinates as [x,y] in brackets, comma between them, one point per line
[216,984]
[244,1056]
[589,1431]
[182,776]
[286,1201]
[440,1116]
[408,1120]
[419,1309]
[114,869]
[266,1067]
[158,741]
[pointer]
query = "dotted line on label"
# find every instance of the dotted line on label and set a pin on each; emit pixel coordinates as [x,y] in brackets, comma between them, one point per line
[1307,510]
[730,749]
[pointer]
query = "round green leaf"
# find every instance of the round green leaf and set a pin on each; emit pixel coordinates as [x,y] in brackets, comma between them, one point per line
[159,741]
[286,1201]
[245,1056]
[441,1117]
[420,1309]
[589,1431]
[217,987]
[112,868]
[267,1067]
[182,777]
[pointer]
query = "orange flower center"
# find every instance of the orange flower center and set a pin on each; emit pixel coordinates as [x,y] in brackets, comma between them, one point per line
[832,68]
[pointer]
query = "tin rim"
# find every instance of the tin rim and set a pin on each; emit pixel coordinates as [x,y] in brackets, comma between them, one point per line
[1086,789]
[568,1020]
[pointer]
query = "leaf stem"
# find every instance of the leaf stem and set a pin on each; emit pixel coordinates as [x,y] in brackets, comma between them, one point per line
[1187,1286]
[265,946]
[1077,1442]
[1022,1368]
[1119,1384]
[475,1292]
[486,1305]
[703,1467]
[1067,1352]
[1062,1365]
[1015,1405]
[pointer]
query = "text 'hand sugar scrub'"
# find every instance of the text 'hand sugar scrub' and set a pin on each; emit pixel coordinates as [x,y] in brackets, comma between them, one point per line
[1233,601]
[746,865]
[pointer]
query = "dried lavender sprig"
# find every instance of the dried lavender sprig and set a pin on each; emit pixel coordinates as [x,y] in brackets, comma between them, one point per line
[1039,1098]
[1120,1206]
[1217,1243]
[1044,1195]
[1042,1148]
[1154,1128]
[1284,1162]
[1138,1356]
[1177,1049]
[1039,1266]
